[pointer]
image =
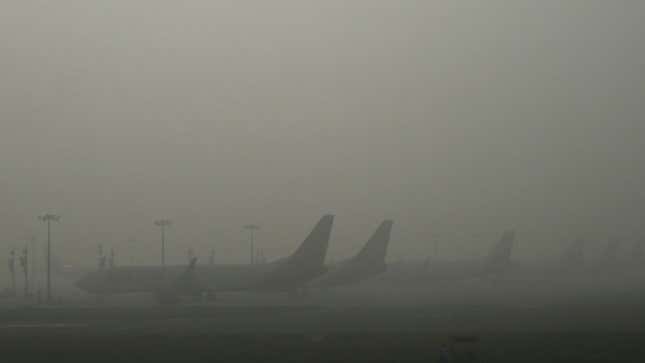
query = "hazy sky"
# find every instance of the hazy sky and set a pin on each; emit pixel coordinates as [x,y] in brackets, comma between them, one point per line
[457,119]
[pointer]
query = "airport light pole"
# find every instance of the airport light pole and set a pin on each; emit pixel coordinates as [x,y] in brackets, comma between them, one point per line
[12,270]
[24,263]
[49,218]
[33,266]
[163,223]
[252,228]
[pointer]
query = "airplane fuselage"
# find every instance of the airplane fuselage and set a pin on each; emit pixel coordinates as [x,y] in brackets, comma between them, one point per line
[130,279]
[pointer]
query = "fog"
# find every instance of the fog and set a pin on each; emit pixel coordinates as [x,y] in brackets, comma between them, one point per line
[456,119]
[415,172]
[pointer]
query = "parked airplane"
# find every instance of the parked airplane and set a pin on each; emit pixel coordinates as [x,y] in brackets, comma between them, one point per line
[497,261]
[289,274]
[368,262]
[571,264]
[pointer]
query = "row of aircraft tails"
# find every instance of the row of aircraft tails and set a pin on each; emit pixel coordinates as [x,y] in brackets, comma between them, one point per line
[302,271]
[305,269]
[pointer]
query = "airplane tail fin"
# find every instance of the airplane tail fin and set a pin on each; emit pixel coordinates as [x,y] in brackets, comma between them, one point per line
[375,249]
[314,248]
[306,263]
[500,253]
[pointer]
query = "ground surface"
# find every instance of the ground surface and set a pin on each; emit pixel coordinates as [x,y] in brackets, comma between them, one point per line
[598,321]
[208,333]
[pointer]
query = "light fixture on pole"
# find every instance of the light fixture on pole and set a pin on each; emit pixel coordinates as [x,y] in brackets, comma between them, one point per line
[49,218]
[252,228]
[163,223]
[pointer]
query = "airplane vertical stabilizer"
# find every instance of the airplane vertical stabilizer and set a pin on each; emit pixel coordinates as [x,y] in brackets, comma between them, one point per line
[305,264]
[375,249]
[314,248]
[500,253]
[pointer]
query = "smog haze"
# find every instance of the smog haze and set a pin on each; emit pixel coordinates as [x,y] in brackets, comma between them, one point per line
[455,119]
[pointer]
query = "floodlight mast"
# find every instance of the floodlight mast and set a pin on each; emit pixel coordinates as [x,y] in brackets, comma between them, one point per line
[252,228]
[163,223]
[48,218]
